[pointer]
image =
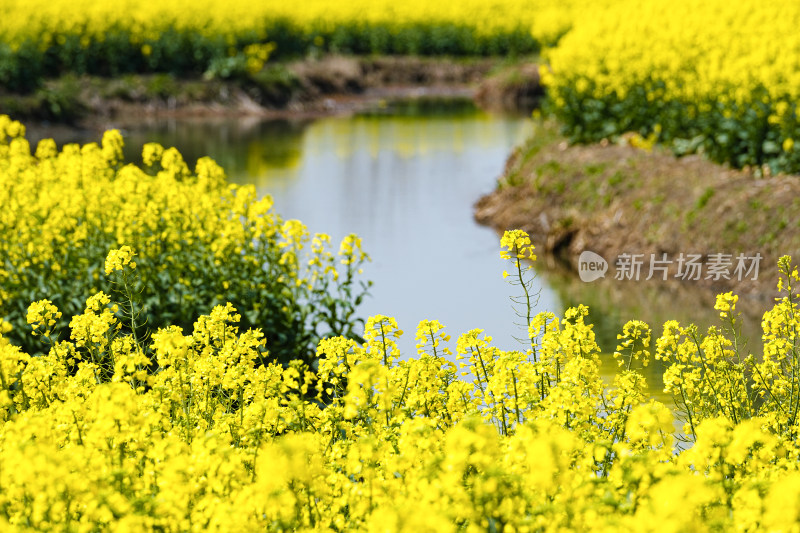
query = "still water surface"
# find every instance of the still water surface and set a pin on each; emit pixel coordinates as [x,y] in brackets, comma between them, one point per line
[404,178]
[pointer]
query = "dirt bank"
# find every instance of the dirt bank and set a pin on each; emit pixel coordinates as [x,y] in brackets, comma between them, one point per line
[617,199]
[309,87]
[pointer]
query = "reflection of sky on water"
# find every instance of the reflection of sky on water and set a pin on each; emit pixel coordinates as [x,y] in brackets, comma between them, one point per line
[406,185]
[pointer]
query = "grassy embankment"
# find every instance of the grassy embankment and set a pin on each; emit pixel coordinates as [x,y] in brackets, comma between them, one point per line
[616,198]
[689,85]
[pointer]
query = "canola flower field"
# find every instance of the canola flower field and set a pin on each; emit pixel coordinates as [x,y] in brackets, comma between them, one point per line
[718,77]
[45,38]
[108,425]
[174,356]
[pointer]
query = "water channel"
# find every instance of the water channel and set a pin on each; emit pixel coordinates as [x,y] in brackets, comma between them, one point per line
[404,177]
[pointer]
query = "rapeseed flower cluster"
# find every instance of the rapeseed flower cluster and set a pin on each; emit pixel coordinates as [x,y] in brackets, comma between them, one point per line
[195,430]
[42,316]
[167,242]
[119,259]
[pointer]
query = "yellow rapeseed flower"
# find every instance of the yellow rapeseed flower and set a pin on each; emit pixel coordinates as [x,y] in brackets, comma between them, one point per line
[120,258]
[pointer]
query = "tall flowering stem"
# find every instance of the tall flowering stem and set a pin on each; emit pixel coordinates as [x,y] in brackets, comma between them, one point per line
[516,247]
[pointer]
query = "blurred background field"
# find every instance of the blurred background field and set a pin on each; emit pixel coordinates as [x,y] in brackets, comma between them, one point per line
[720,78]
[40,39]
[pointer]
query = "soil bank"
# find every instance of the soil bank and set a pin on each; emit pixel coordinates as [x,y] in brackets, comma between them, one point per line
[615,199]
[309,87]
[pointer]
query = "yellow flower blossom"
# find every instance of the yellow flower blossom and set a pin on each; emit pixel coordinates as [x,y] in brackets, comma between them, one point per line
[42,316]
[119,259]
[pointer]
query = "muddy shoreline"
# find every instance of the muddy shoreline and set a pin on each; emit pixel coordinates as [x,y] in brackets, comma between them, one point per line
[615,199]
[307,88]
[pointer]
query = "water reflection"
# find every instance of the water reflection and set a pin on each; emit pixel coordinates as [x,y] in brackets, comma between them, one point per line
[612,303]
[405,182]
[245,146]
